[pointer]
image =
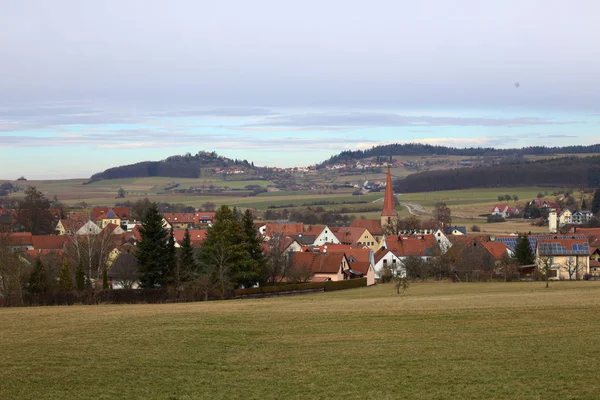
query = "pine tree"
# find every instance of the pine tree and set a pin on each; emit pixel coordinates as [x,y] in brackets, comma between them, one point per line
[104,279]
[38,280]
[596,202]
[583,204]
[152,252]
[186,265]
[80,277]
[523,252]
[171,260]
[250,271]
[65,279]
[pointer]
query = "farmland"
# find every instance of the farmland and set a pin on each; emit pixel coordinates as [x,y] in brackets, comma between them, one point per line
[440,340]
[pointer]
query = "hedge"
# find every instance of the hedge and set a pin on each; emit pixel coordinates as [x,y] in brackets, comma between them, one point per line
[280,288]
[348,284]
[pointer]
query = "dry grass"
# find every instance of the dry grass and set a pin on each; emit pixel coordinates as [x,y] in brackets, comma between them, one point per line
[440,341]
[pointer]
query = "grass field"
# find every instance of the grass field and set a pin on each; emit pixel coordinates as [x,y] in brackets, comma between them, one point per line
[439,341]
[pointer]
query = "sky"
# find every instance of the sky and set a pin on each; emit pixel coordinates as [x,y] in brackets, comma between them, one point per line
[85,86]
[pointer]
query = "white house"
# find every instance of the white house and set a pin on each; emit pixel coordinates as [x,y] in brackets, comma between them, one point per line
[442,240]
[384,258]
[322,235]
[501,209]
[565,217]
[581,217]
[89,228]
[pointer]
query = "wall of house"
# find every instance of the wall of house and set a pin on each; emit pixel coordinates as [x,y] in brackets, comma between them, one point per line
[370,277]
[334,277]
[389,259]
[326,237]
[560,262]
[369,240]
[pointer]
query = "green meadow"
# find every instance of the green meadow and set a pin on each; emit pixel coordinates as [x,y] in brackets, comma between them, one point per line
[437,341]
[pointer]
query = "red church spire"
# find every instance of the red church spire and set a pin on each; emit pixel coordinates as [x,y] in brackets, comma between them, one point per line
[389,202]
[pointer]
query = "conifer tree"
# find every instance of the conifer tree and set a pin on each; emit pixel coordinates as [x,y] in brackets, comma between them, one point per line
[38,280]
[596,202]
[65,278]
[152,251]
[250,271]
[523,251]
[171,260]
[186,265]
[583,204]
[80,277]
[104,279]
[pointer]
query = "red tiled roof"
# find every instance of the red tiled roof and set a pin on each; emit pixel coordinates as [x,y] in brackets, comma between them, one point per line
[197,236]
[379,254]
[594,263]
[361,266]
[328,263]
[496,249]
[98,213]
[372,225]
[501,207]
[49,242]
[291,229]
[406,246]
[19,238]
[389,202]
[349,235]
[314,229]
[189,218]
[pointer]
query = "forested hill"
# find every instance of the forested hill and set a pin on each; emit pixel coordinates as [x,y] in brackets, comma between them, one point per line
[417,149]
[186,166]
[565,172]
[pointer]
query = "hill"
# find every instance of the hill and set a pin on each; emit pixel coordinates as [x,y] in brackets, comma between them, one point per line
[417,149]
[565,171]
[186,166]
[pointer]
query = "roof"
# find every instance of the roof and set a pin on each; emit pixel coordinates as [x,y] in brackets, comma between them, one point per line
[123,263]
[284,243]
[407,246]
[197,236]
[360,266]
[372,225]
[450,229]
[189,218]
[501,207]
[291,229]
[305,239]
[389,201]
[556,247]
[99,213]
[511,241]
[19,238]
[379,254]
[72,224]
[49,242]
[349,235]
[498,250]
[314,229]
[328,263]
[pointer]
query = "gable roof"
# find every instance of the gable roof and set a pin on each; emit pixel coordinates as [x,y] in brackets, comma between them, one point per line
[561,247]
[407,246]
[100,213]
[290,229]
[348,234]
[18,238]
[49,242]
[197,236]
[501,207]
[372,225]
[496,249]
[328,263]
[314,229]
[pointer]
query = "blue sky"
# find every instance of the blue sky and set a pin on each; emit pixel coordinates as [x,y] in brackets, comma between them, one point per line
[85,86]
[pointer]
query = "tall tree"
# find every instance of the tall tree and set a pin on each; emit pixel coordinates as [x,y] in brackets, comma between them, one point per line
[33,213]
[12,269]
[442,214]
[249,272]
[80,276]
[152,249]
[523,251]
[186,265]
[596,202]
[65,278]
[171,260]
[38,280]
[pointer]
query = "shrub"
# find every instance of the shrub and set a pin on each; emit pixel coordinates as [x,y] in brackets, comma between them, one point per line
[495,218]
[475,228]
[280,288]
[348,284]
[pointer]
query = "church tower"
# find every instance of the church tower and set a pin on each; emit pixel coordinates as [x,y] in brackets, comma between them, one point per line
[389,202]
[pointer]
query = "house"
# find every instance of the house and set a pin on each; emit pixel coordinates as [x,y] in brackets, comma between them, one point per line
[423,246]
[285,229]
[321,266]
[442,240]
[124,272]
[456,230]
[69,226]
[89,228]
[322,234]
[49,242]
[356,236]
[360,260]
[565,217]
[189,220]
[502,210]
[286,245]
[595,261]
[113,229]
[19,240]
[581,217]
[372,225]
[569,258]
[197,236]
[386,258]
[103,216]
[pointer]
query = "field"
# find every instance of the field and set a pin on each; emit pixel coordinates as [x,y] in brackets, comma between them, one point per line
[439,341]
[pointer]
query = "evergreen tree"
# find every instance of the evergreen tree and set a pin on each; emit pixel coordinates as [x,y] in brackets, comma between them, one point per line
[38,280]
[104,279]
[523,252]
[171,260]
[152,251]
[80,277]
[223,251]
[250,271]
[65,279]
[596,202]
[186,265]
[583,204]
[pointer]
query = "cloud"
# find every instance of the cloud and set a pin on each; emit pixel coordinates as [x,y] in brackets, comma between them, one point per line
[377,119]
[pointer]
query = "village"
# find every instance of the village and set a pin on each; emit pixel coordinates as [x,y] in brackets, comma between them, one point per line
[374,249]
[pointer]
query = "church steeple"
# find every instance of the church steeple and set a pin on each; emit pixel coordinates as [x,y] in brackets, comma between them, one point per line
[389,201]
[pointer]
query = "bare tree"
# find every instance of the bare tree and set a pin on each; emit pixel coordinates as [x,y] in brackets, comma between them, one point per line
[442,214]
[545,265]
[278,263]
[571,267]
[93,251]
[13,274]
